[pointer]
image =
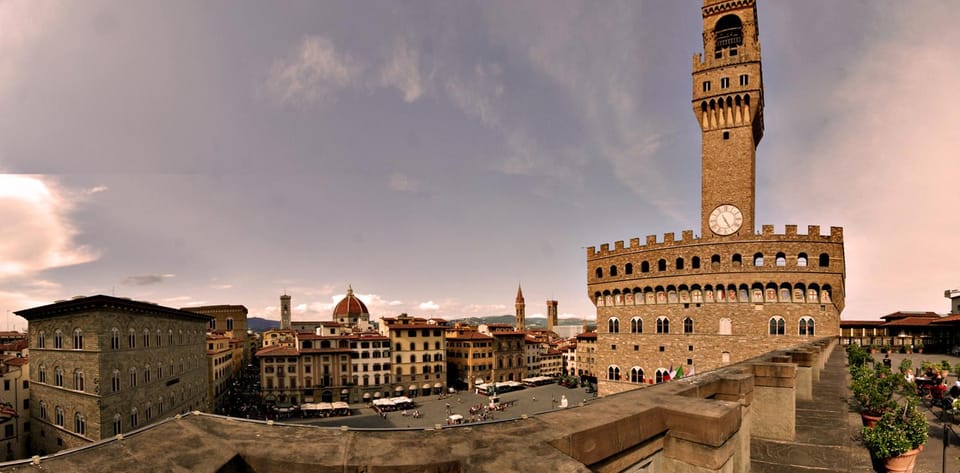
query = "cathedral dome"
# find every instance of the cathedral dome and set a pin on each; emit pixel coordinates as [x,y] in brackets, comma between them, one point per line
[350,305]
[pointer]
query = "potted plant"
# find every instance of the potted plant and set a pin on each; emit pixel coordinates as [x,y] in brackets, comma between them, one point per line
[919,348]
[874,388]
[906,365]
[944,369]
[897,438]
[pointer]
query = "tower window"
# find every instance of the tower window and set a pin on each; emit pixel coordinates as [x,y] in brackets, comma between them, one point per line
[726,135]
[729,31]
[724,82]
[706,86]
[733,51]
[744,79]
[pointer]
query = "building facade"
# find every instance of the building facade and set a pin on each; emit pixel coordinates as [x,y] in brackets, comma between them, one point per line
[469,357]
[419,353]
[229,320]
[509,362]
[732,292]
[103,366]
[15,402]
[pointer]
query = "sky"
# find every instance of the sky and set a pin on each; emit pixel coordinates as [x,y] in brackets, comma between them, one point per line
[436,154]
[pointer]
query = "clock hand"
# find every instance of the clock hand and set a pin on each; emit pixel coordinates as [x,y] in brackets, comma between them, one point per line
[724,217]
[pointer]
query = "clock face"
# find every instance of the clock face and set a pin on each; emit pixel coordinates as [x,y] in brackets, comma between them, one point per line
[725,219]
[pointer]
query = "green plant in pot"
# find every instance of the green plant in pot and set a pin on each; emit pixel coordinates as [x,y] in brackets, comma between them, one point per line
[874,389]
[906,365]
[899,433]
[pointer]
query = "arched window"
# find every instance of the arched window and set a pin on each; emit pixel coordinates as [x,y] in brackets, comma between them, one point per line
[42,374]
[662,375]
[758,259]
[806,327]
[736,259]
[133,377]
[134,418]
[636,325]
[662,265]
[613,373]
[613,325]
[628,268]
[777,325]
[41,340]
[613,270]
[159,338]
[58,416]
[213,324]
[599,272]
[679,263]
[728,33]
[117,425]
[802,259]
[78,380]
[43,410]
[58,376]
[695,262]
[413,358]
[77,339]
[229,323]
[58,339]
[781,259]
[636,375]
[715,261]
[687,325]
[115,380]
[79,424]
[146,338]
[132,339]
[645,267]
[663,325]
[824,260]
[725,327]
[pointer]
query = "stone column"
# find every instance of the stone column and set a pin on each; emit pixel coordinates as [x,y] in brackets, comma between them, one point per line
[775,399]
[808,372]
[739,388]
[701,435]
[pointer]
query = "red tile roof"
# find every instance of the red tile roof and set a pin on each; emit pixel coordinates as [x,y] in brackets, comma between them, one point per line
[861,323]
[468,336]
[903,314]
[278,351]
[949,319]
[587,336]
[910,322]
[16,361]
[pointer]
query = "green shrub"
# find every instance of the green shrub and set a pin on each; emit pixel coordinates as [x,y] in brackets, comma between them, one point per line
[896,432]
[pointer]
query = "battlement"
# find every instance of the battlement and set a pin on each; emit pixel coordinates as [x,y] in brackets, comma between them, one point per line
[687,237]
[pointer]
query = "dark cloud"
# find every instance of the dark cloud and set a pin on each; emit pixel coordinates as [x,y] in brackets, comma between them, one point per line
[145,279]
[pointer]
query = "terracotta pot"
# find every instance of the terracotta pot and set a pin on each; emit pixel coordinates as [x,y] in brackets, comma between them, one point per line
[902,463]
[869,420]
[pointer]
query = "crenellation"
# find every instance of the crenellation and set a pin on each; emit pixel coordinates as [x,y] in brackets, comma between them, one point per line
[604,248]
[767,230]
[836,233]
[686,236]
[791,231]
[618,245]
[651,240]
[668,237]
[813,230]
[635,243]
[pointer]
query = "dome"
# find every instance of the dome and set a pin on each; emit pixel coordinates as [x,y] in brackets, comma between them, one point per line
[350,305]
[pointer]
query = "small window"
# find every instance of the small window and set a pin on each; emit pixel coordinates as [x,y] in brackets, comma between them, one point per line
[781,260]
[733,51]
[706,86]
[726,135]
[613,270]
[744,79]
[758,259]
[661,348]
[679,263]
[41,340]
[58,419]
[724,82]
[777,326]
[824,260]
[715,261]
[736,259]
[662,265]
[688,325]
[613,325]
[802,259]
[599,273]
[695,262]
[628,269]
[645,267]
[636,325]
[663,325]
[58,339]
[78,339]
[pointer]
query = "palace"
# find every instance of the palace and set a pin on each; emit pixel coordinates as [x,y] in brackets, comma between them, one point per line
[733,292]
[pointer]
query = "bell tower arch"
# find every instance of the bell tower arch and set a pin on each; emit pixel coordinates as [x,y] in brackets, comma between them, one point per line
[728,103]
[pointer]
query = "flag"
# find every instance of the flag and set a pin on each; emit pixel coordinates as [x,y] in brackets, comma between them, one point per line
[691,371]
[673,372]
[679,373]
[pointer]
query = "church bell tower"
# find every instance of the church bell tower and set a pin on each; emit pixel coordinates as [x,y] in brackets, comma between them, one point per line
[728,103]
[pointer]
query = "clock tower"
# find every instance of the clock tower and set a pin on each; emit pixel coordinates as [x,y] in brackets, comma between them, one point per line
[728,103]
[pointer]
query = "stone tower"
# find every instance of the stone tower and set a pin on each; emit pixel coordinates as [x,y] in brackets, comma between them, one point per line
[728,102]
[285,312]
[521,322]
[551,314]
[737,289]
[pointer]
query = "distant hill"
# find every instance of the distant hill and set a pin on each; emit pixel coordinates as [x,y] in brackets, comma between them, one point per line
[258,324]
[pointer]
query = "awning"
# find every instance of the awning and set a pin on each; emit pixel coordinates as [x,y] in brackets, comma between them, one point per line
[399,389]
[377,395]
[438,385]
[413,387]
[426,386]
[367,395]
[345,391]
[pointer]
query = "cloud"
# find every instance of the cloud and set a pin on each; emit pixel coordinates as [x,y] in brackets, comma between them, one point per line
[97,189]
[429,305]
[22,22]
[145,279]
[37,233]
[403,183]
[313,73]
[402,71]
